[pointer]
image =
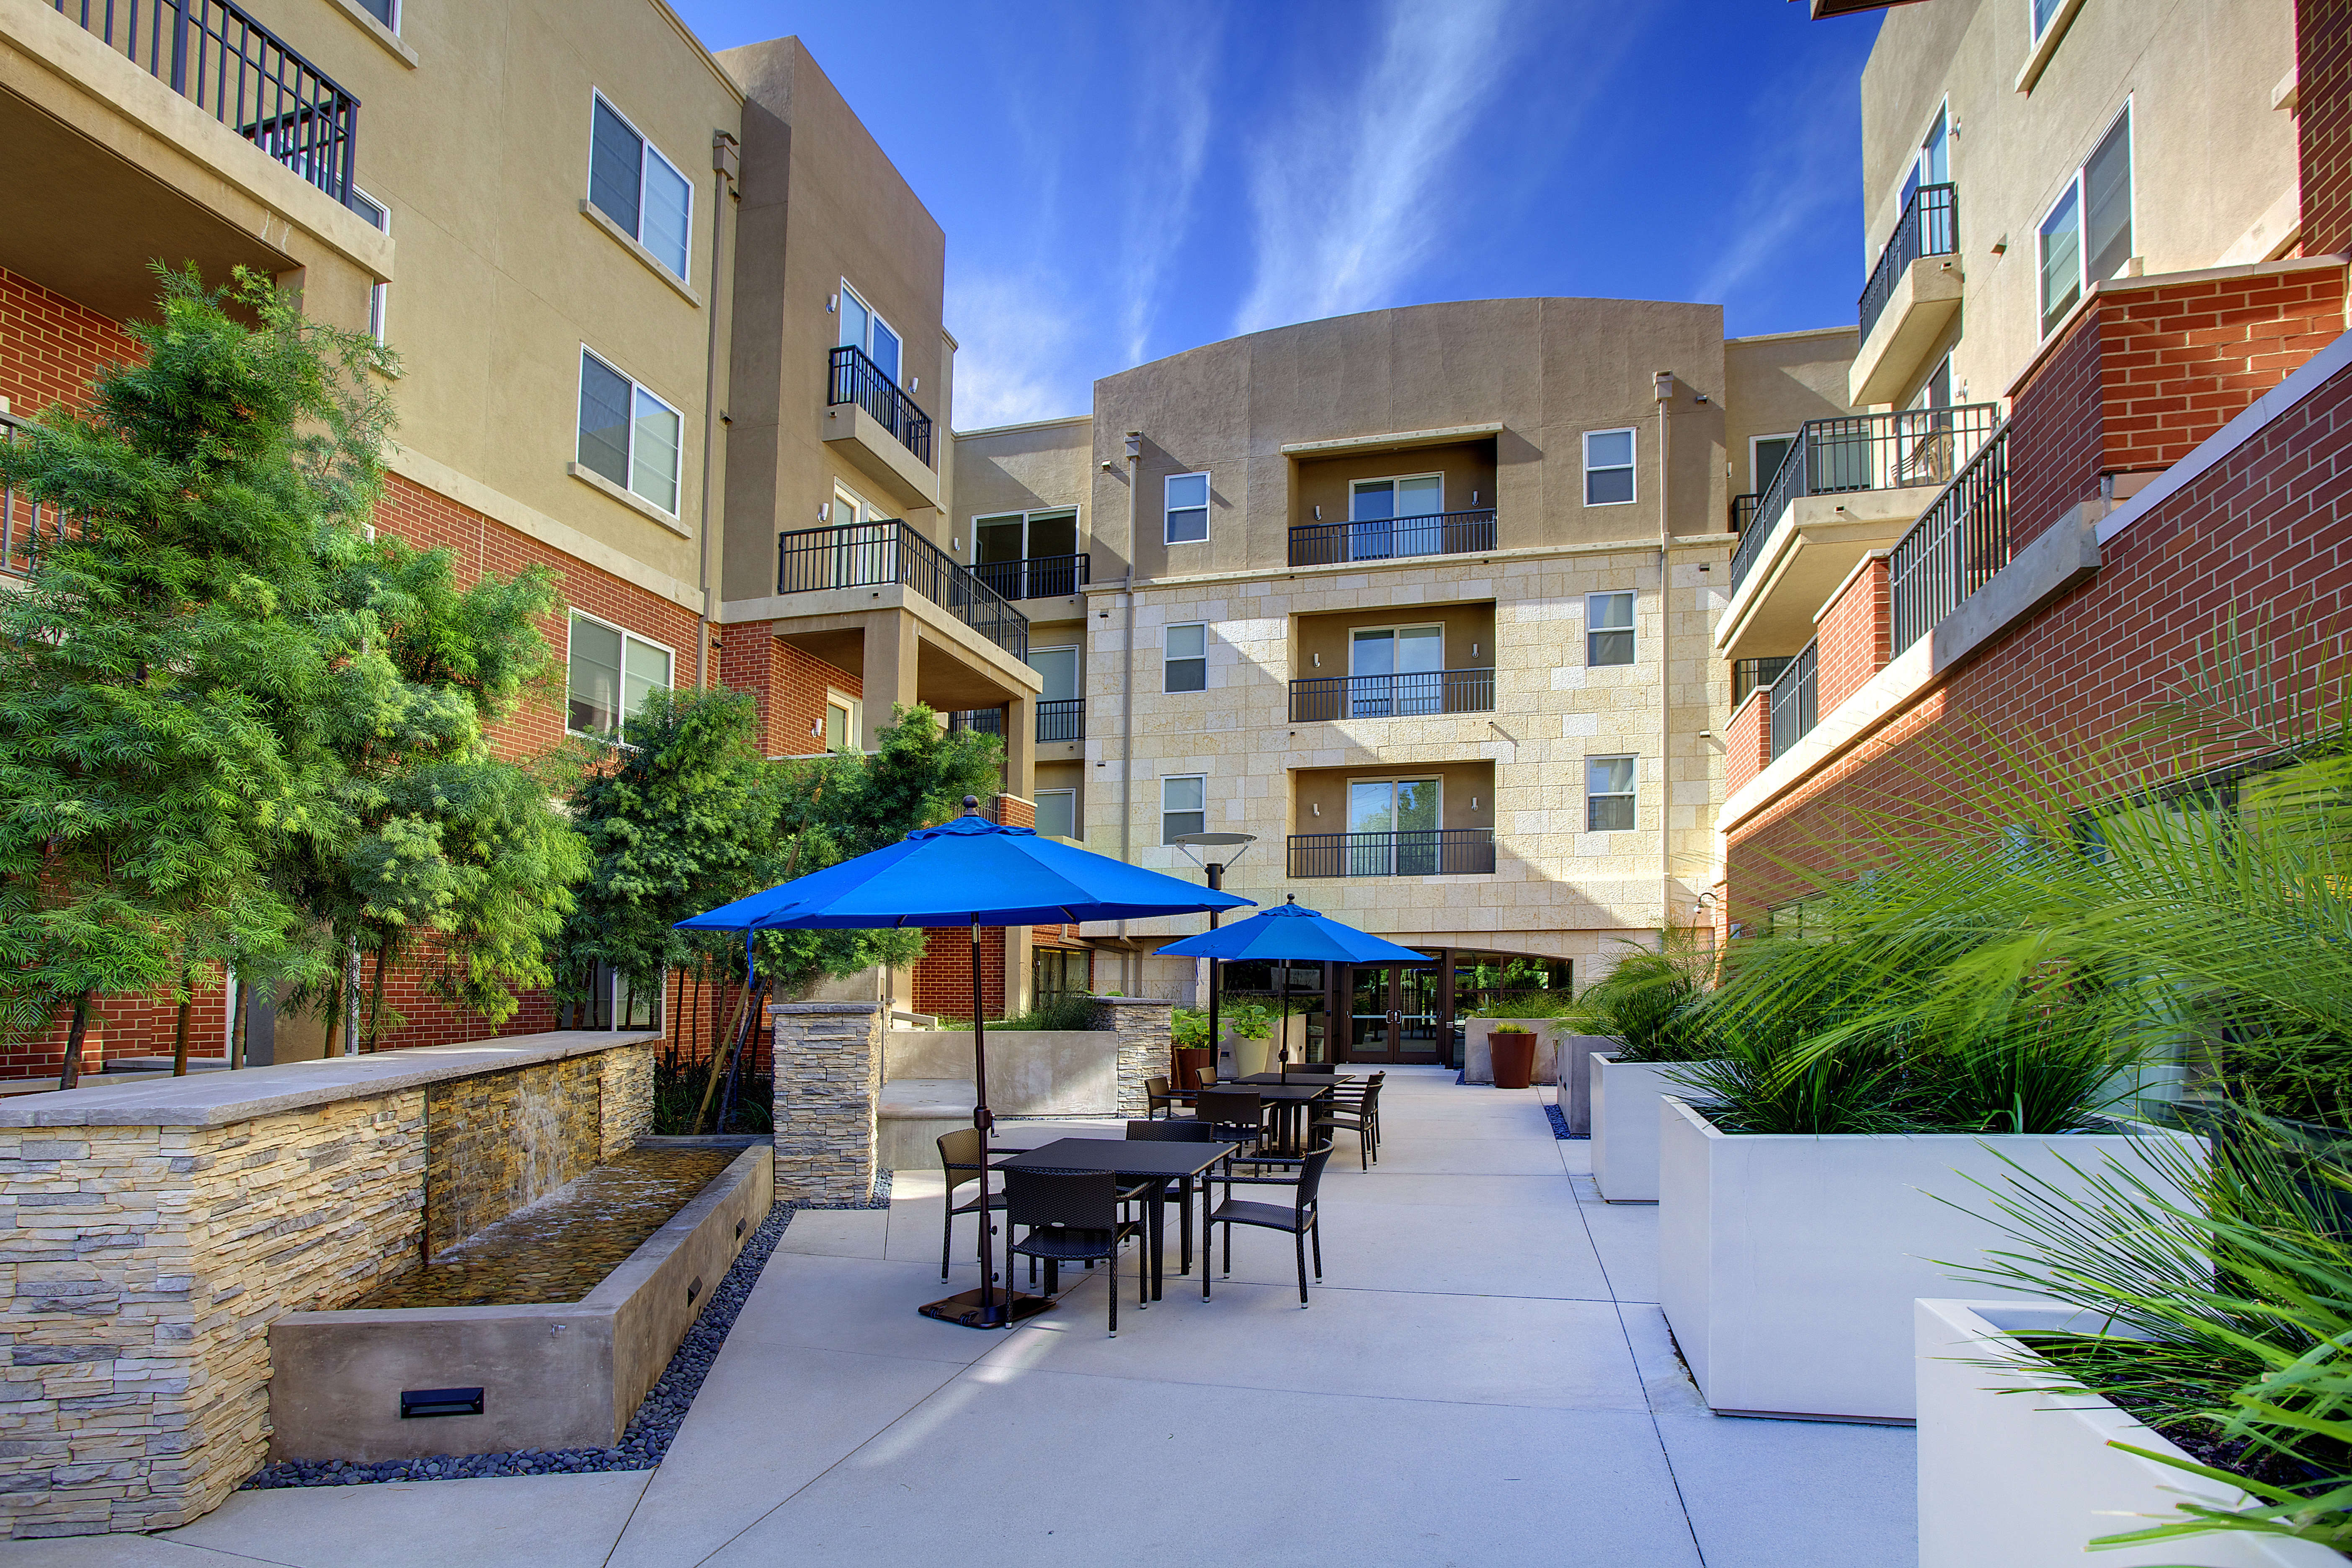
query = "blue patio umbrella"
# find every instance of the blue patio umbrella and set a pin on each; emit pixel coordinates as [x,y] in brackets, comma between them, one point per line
[966,872]
[1290,933]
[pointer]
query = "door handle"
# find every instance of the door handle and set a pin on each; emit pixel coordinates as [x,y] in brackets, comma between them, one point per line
[1396,1015]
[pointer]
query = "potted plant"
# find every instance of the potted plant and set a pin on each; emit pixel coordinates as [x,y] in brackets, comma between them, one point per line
[1647,1009]
[1513,1048]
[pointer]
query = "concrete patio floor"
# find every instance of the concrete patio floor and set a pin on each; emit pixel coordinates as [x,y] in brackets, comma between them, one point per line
[1483,1377]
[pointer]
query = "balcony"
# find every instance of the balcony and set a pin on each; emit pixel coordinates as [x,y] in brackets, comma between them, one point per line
[1954,548]
[234,69]
[875,428]
[1793,702]
[1390,538]
[1037,577]
[1063,719]
[1849,485]
[1428,852]
[871,555]
[1412,695]
[1747,674]
[1911,297]
[1743,512]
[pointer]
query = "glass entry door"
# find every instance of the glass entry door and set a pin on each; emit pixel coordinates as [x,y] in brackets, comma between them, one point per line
[1393,1013]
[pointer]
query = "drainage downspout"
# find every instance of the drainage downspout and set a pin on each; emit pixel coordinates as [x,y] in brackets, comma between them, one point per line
[726,158]
[1126,709]
[1662,388]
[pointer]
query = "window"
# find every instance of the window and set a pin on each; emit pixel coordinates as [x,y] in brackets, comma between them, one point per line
[1392,827]
[629,435]
[1608,794]
[2044,13]
[1608,467]
[1188,509]
[1059,666]
[1187,658]
[611,672]
[2087,235]
[1395,670]
[1057,813]
[384,11]
[869,334]
[1028,554]
[642,192]
[1182,808]
[1059,971]
[1933,166]
[612,1003]
[368,208]
[1765,456]
[842,724]
[1608,628]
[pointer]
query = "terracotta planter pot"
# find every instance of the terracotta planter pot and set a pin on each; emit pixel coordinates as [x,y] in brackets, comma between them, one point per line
[1192,1061]
[1515,1059]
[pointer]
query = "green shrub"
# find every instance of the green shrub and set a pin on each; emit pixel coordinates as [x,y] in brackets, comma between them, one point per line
[1073,1010]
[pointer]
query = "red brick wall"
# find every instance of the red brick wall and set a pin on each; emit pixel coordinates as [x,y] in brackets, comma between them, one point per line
[51,348]
[942,976]
[1852,637]
[2266,534]
[2147,373]
[1747,743]
[2323,64]
[1015,811]
[788,683]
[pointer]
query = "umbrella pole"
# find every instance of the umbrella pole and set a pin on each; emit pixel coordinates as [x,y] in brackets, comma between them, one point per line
[984,1118]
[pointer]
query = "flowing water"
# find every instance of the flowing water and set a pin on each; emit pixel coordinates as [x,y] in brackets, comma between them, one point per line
[558,1248]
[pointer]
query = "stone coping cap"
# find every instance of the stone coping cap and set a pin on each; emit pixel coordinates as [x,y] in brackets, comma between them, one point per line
[806,1008]
[218,1098]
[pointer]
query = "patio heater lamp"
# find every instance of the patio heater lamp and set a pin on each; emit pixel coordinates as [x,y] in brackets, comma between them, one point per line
[1239,843]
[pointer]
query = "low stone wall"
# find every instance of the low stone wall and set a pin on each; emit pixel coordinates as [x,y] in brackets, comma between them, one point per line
[1145,1029]
[152,1233]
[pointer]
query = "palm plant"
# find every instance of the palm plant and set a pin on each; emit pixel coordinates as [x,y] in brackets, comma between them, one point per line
[1649,1002]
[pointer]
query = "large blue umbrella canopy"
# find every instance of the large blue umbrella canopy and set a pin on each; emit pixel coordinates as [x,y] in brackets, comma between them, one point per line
[965,871]
[968,872]
[1292,933]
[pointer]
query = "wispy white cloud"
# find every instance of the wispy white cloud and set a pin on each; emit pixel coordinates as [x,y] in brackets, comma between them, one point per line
[1018,353]
[1799,165]
[1344,197]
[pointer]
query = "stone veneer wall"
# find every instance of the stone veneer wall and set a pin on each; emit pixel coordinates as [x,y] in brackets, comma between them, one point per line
[498,1140]
[1146,1034]
[828,1094]
[141,1266]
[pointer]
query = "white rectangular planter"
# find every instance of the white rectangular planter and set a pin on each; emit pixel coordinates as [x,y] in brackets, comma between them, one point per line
[1625,1126]
[2026,1480]
[1787,1264]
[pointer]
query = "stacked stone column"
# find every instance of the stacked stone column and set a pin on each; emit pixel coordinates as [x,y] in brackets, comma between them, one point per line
[828,1058]
[1145,1035]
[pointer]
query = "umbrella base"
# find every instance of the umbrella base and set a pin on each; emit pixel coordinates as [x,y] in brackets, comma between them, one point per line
[965,1309]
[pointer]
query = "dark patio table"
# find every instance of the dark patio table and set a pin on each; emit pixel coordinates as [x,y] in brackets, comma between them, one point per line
[1301,1080]
[1288,1098]
[1131,1161]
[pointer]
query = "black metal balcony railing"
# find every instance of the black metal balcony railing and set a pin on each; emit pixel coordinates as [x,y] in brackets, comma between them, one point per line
[1743,511]
[1037,577]
[1426,852]
[239,73]
[1387,538]
[1393,696]
[1866,452]
[1930,226]
[1795,699]
[869,554]
[23,521]
[1747,674]
[856,379]
[1955,547]
[979,720]
[1062,718]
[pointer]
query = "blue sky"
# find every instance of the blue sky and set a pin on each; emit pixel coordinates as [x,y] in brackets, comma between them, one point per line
[1121,182]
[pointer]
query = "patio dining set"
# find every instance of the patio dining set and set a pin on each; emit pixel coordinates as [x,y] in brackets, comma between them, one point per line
[1081,1200]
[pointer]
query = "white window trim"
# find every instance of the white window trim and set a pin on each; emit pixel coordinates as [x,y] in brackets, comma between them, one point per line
[842,492]
[1165,779]
[621,697]
[1632,467]
[855,706]
[647,143]
[1166,659]
[1756,475]
[1077,652]
[2074,185]
[1392,481]
[866,348]
[1208,505]
[1634,630]
[677,471]
[380,293]
[1634,794]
